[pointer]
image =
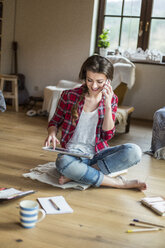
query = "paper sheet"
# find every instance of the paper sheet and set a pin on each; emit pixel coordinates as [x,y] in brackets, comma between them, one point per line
[59,201]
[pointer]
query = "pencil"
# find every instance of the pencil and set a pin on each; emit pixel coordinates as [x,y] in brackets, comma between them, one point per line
[144,230]
[141,225]
[54,204]
[148,223]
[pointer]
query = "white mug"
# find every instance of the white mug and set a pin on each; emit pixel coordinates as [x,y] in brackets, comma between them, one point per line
[29,213]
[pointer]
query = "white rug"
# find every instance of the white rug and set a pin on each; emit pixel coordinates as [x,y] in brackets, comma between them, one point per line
[47,173]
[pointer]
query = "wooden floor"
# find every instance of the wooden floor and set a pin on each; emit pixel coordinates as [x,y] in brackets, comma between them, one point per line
[101,215]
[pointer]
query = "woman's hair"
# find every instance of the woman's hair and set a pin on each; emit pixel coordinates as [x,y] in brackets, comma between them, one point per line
[96,64]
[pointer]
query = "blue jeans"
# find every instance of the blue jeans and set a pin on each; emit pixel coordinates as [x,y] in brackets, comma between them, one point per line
[109,160]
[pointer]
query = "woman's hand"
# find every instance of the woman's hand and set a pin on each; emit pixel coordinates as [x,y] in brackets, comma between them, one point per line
[108,123]
[107,93]
[51,138]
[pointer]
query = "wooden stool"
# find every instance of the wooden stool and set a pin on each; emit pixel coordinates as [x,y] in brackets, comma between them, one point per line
[120,91]
[129,111]
[13,79]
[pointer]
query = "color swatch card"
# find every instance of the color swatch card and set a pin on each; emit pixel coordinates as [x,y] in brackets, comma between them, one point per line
[55,205]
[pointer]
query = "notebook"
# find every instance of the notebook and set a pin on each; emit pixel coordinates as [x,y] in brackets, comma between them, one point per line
[155,203]
[55,205]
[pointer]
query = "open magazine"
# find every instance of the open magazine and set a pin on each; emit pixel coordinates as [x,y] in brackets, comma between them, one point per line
[12,193]
[68,152]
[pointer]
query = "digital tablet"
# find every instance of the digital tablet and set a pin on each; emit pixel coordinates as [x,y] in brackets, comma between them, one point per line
[66,151]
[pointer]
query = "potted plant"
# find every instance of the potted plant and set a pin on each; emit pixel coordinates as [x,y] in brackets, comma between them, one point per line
[103,42]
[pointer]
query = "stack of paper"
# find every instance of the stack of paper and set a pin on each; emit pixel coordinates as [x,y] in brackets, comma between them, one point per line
[155,203]
[55,205]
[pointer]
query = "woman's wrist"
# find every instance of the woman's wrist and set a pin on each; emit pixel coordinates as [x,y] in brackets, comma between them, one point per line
[52,130]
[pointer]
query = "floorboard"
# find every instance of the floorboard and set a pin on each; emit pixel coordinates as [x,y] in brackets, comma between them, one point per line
[101,215]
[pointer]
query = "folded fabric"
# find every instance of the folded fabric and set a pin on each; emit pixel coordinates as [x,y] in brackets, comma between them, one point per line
[157,149]
[47,173]
[2,102]
[121,116]
[124,71]
[160,153]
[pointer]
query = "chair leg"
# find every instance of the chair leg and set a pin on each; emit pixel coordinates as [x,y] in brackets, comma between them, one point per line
[16,95]
[13,95]
[128,123]
[1,84]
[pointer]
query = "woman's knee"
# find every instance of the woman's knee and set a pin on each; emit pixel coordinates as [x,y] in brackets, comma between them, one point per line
[71,167]
[76,170]
[63,161]
[134,151]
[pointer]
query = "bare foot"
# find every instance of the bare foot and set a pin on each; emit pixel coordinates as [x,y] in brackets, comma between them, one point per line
[95,167]
[133,184]
[120,183]
[63,180]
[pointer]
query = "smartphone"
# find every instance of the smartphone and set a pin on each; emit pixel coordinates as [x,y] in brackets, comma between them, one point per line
[104,90]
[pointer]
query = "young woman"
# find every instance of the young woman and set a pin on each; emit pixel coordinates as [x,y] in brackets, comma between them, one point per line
[87,118]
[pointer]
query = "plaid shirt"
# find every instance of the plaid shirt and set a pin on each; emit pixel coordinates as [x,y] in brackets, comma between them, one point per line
[62,118]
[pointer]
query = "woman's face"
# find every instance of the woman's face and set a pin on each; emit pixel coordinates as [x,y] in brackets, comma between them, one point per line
[95,82]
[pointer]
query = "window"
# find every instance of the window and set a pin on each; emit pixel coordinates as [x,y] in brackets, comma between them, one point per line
[133,23]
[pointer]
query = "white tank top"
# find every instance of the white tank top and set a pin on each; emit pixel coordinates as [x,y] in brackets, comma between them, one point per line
[84,135]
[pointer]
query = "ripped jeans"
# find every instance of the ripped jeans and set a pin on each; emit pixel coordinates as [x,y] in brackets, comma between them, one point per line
[111,159]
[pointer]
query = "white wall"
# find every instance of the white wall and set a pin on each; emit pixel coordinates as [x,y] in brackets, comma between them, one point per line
[53,40]
[148,92]
[7,36]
